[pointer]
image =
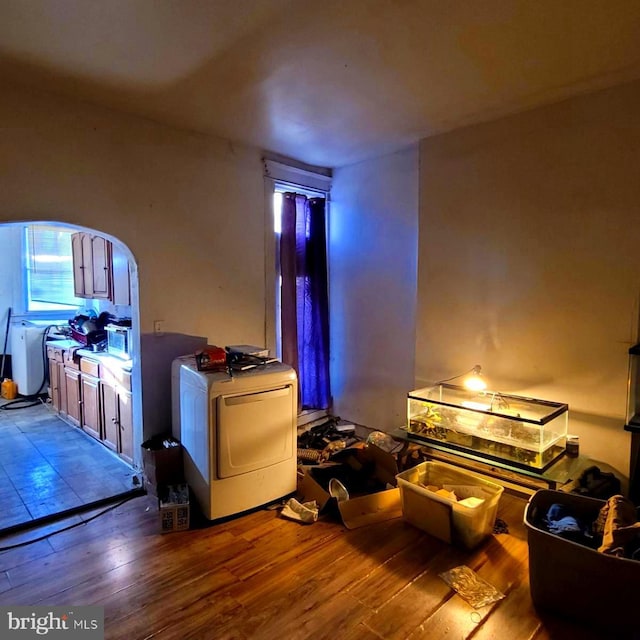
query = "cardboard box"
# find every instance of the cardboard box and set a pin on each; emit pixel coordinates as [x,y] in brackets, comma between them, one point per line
[161,465]
[174,508]
[365,471]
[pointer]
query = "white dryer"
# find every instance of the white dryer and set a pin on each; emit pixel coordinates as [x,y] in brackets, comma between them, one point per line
[238,434]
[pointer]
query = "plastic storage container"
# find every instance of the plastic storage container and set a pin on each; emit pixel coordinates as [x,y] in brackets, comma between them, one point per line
[449,520]
[9,389]
[523,431]
[575,581]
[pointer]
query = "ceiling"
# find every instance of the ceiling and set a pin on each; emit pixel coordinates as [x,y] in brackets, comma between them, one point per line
[327,82]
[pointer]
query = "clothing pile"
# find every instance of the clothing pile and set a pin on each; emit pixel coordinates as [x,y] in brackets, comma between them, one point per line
[615,531]
[594,483]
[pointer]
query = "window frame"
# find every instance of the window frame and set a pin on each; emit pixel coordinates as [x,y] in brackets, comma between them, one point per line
[43,314]
[282,177]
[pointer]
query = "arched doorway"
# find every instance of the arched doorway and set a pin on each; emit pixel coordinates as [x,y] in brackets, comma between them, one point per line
[53,462]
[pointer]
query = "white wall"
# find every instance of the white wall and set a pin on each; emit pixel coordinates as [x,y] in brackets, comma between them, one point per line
[10,285]
[529,261]
[373,242]
[10,255]
[189,207]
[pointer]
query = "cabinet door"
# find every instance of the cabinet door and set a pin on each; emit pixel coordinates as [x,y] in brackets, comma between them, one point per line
[100,283]
[125,417]
[72,384]
[90,405]
[78,264]
[62,388]
[121,290]
[111,435]
[54,383]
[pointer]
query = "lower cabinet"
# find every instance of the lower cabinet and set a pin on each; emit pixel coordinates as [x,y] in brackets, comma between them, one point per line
[57,380]
[117,413]
[90,391]
[90,397]
[73,396]
[125,402]
[111,432]
[95,396]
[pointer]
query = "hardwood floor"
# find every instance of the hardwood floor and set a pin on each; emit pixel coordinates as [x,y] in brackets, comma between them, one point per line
[260,576]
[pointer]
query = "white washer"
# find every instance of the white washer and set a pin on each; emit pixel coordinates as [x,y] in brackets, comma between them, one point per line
[27,357]
[238,434]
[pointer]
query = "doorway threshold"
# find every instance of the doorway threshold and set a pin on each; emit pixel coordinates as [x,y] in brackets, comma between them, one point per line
[36,523]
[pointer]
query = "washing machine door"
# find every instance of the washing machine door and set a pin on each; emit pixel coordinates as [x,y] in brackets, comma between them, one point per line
[254,430]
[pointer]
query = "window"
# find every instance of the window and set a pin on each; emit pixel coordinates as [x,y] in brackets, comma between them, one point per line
[297,328]
[297,309]
[279,189]
[48,270]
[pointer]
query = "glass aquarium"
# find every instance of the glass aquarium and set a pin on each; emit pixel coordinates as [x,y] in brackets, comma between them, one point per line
[514,429]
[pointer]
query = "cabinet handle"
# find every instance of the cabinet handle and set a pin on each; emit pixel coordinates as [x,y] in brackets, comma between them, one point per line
[113,420]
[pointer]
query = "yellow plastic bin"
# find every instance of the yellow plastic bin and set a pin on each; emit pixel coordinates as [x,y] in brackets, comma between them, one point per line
[447,519]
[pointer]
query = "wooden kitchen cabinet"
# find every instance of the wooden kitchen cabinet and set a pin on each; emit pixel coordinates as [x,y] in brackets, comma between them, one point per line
[125,408]
[57,379]
[73,396]
[117,413]
[121,293]
[72,391]
[92,267]
[111,430]
[94,393]
[90,395]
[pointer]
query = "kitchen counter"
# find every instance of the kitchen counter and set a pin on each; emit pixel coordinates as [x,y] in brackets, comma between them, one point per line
[63,344]
[110,361]
[101,356]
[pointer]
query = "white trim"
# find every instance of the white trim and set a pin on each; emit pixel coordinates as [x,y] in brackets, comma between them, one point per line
[270,270]
[282,172]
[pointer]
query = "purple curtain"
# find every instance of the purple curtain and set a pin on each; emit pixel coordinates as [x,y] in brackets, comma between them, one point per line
[304,297]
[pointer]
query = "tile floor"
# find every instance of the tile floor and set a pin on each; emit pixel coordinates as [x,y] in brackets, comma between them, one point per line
[48,466]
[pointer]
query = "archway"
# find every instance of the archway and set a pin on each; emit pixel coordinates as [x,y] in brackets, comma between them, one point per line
[47,481]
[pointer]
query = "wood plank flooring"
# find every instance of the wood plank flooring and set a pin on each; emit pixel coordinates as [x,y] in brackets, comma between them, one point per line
[260,576]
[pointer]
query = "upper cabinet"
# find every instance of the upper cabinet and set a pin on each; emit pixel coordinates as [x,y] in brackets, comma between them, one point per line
[99,271]
[120,273]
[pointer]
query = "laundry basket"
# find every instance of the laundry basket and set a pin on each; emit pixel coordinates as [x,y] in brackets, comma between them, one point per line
[576,581]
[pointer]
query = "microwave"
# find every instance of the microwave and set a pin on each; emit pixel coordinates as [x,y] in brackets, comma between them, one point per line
[119,341]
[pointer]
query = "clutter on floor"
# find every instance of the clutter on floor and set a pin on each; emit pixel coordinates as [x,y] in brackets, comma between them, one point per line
[354,484]
[301,511]
[320,442]
[366,476]
[162,463]
[163,472]
[173,504]
[471,587]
